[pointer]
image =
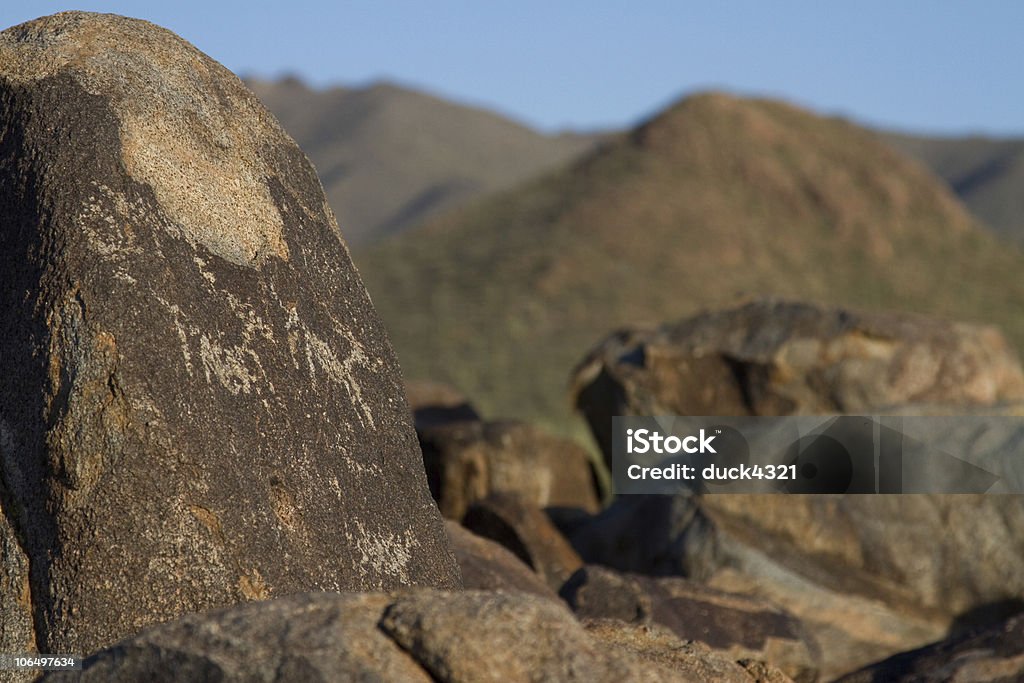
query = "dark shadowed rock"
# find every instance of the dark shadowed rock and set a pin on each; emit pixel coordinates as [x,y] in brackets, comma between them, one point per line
[658,535]
[692,660]
[528,533]
[784,358]
[994,654]
[198,403]
[468,461]
[486,565]
[735,626]
[434,404]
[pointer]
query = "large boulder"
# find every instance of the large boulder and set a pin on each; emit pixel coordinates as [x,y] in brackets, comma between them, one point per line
[421,635]
[786,358]
[487,565]
[873,575]
[528,533]
[737,627]
[198,402]
[468,461]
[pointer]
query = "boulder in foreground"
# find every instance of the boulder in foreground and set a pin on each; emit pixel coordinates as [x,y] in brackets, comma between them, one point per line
[198,402]
[419,635]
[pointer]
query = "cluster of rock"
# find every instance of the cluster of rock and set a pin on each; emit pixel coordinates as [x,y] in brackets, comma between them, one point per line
[867,575]
[210,471]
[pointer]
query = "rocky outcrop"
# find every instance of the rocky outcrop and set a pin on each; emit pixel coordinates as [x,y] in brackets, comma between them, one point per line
[198,402]
[785,358]
[486,565]
[423,635]
[993,654]
[528,533]
[870,575]
[735,626]
[468,461]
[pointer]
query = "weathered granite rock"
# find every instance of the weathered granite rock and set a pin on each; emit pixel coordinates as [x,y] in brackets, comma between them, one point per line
[434,404]
[870,575]
[994,654]
[472,636]
[317,637]
[198,403]
[17,635]
[468,461]
[421,635]
[735,626]
[943,552]
[487,565]
[528,533]
[692,660]
[782,358]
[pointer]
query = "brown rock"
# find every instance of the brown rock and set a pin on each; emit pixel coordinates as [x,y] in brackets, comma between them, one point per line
[473,637]
[468,461]
[317,637]
[735,626]
[418,635]
[784,358]
[871,575]
[487,565]
[198,402]
[993,654]
[694,661]
[528,533]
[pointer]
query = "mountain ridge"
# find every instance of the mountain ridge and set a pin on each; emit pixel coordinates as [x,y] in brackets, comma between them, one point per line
[390,157]
[713,200]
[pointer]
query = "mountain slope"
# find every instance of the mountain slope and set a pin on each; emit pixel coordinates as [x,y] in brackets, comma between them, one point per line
[986,173]
[715,199]
[390,157]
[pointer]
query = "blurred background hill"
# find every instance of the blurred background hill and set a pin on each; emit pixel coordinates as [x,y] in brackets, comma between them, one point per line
[390,157]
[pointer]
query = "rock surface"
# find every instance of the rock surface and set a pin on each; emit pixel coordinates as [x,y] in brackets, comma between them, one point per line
[198,402]
[656,535]
[468,461]
[870,575]
[487,565]
[785,358]
[528,533]
[693,661]
[735,626]
[994,654]
[420,635]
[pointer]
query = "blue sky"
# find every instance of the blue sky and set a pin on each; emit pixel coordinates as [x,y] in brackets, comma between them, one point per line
[937,67]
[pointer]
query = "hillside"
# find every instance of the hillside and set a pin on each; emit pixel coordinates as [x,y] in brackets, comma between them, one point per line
[714,200]
[391,157]
[987,174]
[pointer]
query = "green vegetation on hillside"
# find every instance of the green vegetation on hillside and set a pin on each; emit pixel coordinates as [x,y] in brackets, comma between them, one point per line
[716,200]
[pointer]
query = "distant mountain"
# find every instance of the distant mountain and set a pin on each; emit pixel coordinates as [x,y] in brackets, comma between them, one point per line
[391,157]
[987,174]
[714,200]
